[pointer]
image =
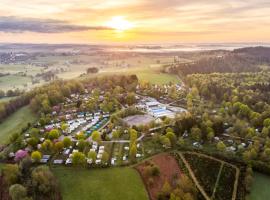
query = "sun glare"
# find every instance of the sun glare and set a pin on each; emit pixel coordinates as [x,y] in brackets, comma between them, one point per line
[119,23]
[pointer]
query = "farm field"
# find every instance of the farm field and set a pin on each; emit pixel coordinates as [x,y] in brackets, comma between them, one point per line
[15,122]
[218,183]
[149,74]
[16,68]
[147,68]
[260,187]
[224,188]
[199,166]
[13,82]
[98,184]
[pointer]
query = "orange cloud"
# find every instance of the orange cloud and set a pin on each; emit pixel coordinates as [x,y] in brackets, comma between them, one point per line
[156,21]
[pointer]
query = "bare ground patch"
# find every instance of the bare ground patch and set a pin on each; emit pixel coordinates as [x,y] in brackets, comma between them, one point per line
[136,120]
[169,171]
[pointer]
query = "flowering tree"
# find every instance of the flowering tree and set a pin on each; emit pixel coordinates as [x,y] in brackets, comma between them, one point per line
[20,154]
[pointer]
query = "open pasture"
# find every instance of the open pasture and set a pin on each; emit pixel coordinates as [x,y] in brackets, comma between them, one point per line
[96,184]
[145,74]
[15,122]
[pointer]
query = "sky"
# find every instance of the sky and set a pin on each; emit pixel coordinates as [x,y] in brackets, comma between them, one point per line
[134,21]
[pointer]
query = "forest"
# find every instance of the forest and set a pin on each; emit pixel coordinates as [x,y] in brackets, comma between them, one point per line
[240,60]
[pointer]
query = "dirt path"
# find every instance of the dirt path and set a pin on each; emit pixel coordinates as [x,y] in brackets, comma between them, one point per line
[125,141]
[200,188]
[235,184]
[217,181]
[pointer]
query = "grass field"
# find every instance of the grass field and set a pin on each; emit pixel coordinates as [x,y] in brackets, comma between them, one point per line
[13,81]
[260,187]
[15,122]
[146,67]
[148,74]
[100,184]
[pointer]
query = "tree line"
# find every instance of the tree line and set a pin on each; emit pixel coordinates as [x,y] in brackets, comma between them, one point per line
[229,63]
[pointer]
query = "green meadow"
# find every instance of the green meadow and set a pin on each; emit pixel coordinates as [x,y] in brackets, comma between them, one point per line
[15,123]
[95,184]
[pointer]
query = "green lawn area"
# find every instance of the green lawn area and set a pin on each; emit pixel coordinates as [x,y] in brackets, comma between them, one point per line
[157,78]
[260,187]
[100,184]
[15,122]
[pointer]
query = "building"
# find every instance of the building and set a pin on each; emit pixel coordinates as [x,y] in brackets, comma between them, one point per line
[158,110]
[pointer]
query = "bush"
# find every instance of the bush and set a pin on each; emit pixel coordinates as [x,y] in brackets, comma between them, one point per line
[152,170]
[150,181]
[59,146]
[67,142]
[36,156]
[53,134]
[11,173]
[44,182]
[78,159]
[155,171]
[17,192]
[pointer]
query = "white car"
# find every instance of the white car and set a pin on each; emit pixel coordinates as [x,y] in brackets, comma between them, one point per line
[68,161]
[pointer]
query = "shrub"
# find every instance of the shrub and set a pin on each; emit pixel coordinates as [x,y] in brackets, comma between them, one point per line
[67,142]
[11,173]
[53,134]
[150,181]
[44,182]
[17,192]
[36,156]
[155,171]
[59,146]
[78,159]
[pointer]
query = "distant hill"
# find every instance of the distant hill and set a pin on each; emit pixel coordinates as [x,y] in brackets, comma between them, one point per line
[260,53]
[240,60]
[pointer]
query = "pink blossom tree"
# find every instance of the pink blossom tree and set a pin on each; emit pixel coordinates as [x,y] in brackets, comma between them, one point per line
[20,154]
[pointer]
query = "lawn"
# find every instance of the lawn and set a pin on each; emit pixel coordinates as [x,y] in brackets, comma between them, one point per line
[15,123]
[157,78]
[260,187]
[100,184]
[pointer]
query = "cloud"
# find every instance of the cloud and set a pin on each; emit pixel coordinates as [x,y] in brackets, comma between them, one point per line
[18,25]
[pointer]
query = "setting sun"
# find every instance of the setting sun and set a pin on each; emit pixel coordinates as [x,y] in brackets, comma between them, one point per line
[119,23]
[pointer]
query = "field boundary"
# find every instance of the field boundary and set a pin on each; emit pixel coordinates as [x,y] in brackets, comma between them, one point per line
[198,185]
[224,162]
[217,181]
